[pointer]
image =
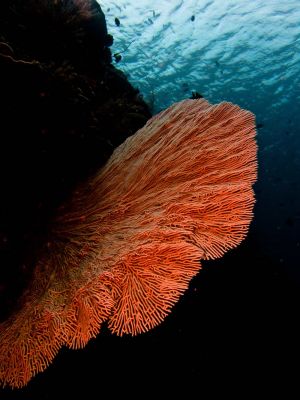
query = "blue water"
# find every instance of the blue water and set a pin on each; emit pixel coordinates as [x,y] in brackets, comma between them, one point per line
[243,330]
[246,52]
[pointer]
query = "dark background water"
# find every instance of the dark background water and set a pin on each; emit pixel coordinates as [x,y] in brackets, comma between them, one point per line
[236,329]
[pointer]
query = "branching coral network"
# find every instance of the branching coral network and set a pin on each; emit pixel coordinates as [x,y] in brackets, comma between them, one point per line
[126,246]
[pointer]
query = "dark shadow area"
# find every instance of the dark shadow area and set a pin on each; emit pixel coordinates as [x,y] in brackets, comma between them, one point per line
[235,329]
[64,110]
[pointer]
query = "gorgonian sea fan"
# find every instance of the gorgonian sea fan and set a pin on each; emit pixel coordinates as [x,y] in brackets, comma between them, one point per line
[126,246]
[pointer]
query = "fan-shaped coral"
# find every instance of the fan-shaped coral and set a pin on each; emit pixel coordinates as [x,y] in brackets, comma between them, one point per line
[126,246]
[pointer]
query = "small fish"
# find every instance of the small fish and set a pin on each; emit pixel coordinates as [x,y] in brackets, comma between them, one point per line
[193,18]
[117,57]
[196,95]
[117,21]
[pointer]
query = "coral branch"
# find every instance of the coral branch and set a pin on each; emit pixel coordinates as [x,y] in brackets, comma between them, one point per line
[127,245]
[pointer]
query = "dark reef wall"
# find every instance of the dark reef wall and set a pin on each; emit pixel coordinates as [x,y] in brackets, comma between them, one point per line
[64,108]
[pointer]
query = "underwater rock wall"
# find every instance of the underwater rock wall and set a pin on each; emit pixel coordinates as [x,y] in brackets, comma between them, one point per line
[65,108]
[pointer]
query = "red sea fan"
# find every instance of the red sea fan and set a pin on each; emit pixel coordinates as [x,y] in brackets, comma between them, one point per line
[126,246]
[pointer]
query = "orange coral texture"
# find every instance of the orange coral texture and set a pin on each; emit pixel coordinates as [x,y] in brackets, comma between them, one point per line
[126,246]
